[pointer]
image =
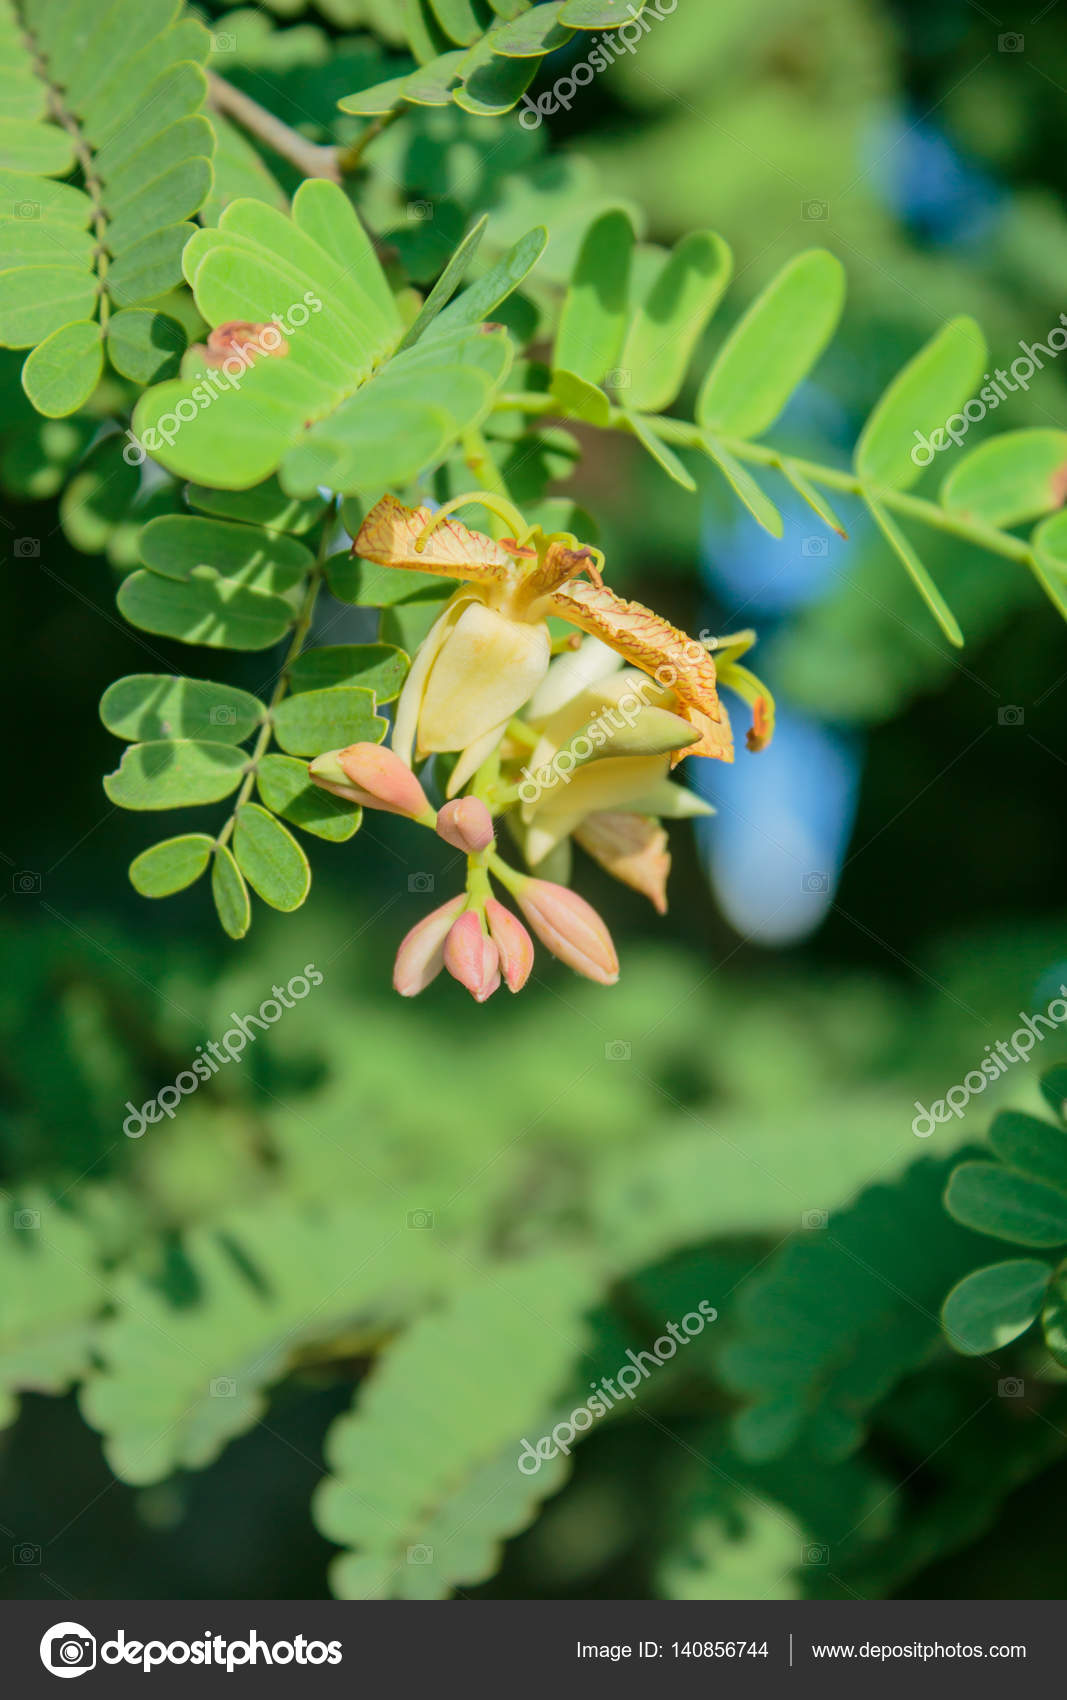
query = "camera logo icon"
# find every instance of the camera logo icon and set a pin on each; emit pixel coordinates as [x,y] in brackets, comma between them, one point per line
[420,882]
[223,1387]
[1010,43]
[223,714]
[816,209]
[813,1220]
[418,211]
[26,883]
[68,1649]
[26,1219]
[816,1553]
[1011,715]
[815,546]
[617,1050]
[27,209]
[619,378]
[1011,1388]
[420,1555]
[26,1554]
[815,882]
[421,1218]
[26,548]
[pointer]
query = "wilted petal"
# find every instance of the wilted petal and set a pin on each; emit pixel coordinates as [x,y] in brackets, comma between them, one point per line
[390,532]
[422,953]
[633,849]
[513,942]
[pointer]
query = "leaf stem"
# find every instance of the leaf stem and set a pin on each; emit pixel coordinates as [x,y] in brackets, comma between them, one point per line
[920,508]
[94,188]
[301,627]
[309,158]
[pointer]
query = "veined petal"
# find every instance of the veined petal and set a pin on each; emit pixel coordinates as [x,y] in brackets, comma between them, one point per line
[390,532]
[674,660]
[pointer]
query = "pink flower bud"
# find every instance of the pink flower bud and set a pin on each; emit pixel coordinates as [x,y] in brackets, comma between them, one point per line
[421,956]
[471,957]
[466,824]
[374,777]
[571,928]
[513,943]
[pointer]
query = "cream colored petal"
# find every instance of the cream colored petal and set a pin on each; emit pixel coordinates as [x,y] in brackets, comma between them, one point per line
[473,756]
[488,667]
[570,673]
[405,725]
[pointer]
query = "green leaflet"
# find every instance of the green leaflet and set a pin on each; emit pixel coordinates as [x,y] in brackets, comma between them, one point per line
[181,546]
[63,371]
[932,387]
[270,858]
[159,705]
[144,345]
[264,504]
[209,611]
[773,347]
[286,790]
[1009,479]
[991,1307]
[171,865]
[377,667]
[123,92]
[312,721]
[1008,1205]
[593,320]
[388,1491]
[230,894]
[671,318]
[175,773]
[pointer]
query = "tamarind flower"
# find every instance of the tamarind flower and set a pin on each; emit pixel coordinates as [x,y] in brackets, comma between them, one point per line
[489,650]
[607,747]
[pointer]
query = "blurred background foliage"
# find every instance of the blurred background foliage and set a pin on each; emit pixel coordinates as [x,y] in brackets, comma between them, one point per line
[876,899]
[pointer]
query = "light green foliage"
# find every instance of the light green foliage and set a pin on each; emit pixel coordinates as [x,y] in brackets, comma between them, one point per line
[483,70]
[121,104]
[389,1494]
[52,1288]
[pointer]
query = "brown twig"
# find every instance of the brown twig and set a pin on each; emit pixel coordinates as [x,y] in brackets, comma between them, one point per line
[308,157]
